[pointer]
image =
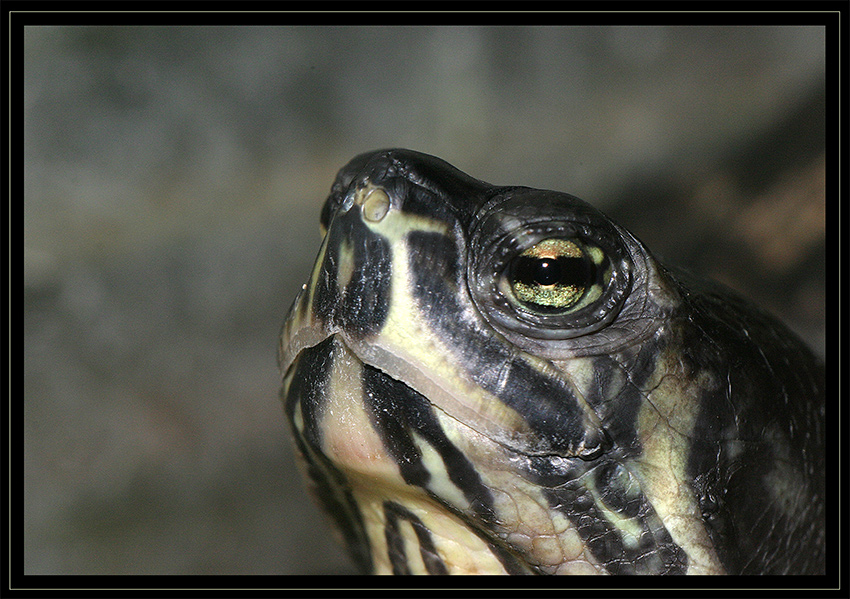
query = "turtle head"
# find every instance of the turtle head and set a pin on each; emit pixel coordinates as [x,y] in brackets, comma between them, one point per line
[466,291]
[500,379]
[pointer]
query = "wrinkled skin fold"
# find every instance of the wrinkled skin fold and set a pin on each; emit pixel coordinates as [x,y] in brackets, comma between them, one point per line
[614,417]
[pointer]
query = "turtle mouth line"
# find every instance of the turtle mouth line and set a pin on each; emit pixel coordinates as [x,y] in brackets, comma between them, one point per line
[289,359]
[516,445]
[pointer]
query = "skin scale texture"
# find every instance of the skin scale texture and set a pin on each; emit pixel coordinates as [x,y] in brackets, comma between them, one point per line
[656,424]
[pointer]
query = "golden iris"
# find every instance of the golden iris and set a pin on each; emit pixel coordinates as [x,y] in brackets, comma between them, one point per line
[553,275]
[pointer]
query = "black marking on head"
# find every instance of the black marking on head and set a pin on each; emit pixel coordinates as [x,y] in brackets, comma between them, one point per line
[564,486]
[618,391]
[361,308]
[613,494]
[546,403]
[309,390]
[336,499]
[396,411]
[512,564]
[393,512]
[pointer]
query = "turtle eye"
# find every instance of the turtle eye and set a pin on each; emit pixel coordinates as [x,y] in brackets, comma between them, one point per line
[551,274]
[557,276]
[552,279]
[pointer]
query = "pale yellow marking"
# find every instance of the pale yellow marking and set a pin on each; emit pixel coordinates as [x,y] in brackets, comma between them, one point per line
[629,529]
[376,204]
[596,254]
[408,349]
[439,483]
[665,424]
[579,568]
[548,549]
[345,268]
[571,542]
[462,551]
[372,509]
[581,373]
[298,418]
[396,225]
[349,438]
[412,550]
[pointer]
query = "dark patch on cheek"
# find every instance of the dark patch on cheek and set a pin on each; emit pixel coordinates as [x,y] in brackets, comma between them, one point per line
[546,404]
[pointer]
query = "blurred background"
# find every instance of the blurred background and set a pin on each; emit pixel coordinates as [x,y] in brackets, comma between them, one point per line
[173,182]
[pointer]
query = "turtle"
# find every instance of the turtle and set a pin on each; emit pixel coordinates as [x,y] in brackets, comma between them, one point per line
[485,379]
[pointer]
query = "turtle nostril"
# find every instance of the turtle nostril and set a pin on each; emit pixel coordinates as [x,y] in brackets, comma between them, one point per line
[376,205]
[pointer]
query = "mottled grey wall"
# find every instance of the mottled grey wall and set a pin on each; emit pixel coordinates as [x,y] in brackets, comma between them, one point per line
[173,180]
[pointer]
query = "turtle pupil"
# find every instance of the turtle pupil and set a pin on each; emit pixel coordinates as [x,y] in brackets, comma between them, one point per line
[552,276]
[547,271]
